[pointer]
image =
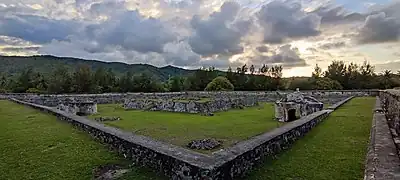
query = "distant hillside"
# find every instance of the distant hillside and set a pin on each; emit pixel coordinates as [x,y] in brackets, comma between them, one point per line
[45,64]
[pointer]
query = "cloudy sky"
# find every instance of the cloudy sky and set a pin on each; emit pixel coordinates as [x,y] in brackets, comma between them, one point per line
[296,34]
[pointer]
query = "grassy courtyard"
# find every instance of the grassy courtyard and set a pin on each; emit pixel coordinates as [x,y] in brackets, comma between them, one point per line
[180,128]
[35,145]
[335,149]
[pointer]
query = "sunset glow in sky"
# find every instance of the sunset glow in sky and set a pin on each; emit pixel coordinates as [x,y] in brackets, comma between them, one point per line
[296,34]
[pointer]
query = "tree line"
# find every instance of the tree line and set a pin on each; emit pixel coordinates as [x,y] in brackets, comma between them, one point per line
[83,80]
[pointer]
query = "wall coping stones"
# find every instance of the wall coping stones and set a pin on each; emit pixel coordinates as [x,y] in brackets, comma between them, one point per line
[245,146]
[223,164]
[177,152]
[340,103]
[382,160]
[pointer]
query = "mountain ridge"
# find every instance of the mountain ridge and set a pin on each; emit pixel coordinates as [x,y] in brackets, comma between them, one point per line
[13,65]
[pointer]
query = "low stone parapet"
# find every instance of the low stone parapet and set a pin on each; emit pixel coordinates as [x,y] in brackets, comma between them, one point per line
[189,106]
[382,161]
[180,163]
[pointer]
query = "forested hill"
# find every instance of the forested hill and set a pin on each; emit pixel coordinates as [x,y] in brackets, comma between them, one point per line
[14,65]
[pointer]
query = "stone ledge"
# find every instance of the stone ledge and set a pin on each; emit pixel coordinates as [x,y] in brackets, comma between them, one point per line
[382,160]
[181,163]
[340,103]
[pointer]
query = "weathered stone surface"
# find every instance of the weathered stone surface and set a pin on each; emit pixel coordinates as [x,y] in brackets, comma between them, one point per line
[109,172]
[102,119]
[78,108]
[204,144]
[206,107]
[296,105]
[382,161]
[330,97]
[179,163]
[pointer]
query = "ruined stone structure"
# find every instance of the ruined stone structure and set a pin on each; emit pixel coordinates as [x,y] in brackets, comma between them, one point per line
[180,163]
[296,105]
[190,106]
[51,100]
[78,108]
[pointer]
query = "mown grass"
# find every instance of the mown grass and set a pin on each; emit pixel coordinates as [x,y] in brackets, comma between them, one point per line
[335,149]
[180,128]
[35,145]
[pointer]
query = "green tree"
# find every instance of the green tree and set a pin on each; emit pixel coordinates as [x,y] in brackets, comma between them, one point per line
[176,84]
[336,71]
[317,72]
[325,83]
[200,78]
[146,83]
[351,77]
[125,83]
[3,82]
[104,81]
[60,81]
[367,75]
[388,80]
[220,83]
[82,80]
[276,74]
[25,81]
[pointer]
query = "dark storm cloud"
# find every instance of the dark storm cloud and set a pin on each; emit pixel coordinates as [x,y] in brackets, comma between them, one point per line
[379,28]
[285,55]
[219,34]
[36,29]
[131,31]
[262,49]
[332,14]
[332,45]
[283,20]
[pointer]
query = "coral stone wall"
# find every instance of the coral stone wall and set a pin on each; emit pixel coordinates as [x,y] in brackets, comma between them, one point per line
[79,108]
[190,106]
[390,102]
[382,160]
[327,97]
[180,163]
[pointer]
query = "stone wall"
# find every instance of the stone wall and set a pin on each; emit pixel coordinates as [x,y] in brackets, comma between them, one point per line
[82,108]
[173,161]
[180,163]
[382,161]
[190,106]
[390,100]
[327,97]
[386,146]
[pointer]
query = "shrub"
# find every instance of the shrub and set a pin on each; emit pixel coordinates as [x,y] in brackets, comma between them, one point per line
[33,90]
[219,84]
[3,90]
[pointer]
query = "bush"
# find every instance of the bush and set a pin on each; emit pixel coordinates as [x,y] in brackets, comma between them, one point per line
[3,90]
[34,90]
[219,84]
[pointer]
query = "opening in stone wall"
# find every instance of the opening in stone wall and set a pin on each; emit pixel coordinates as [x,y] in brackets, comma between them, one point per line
[292,114]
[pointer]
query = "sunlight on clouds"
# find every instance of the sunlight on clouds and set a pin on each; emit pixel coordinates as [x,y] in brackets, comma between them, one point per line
[36,6]
[298,71]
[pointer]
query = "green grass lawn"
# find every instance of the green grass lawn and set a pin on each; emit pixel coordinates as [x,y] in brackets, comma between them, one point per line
[35,145]
[335,149]
[180,128]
